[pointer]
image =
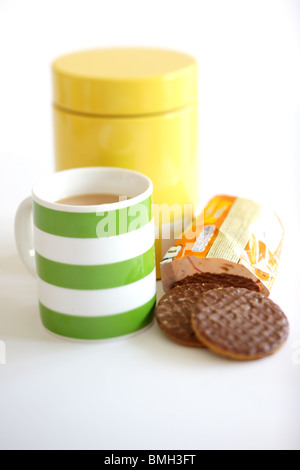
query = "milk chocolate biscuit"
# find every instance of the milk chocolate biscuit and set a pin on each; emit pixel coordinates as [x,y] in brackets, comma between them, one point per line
[223,280]
[173,314]
[239,323]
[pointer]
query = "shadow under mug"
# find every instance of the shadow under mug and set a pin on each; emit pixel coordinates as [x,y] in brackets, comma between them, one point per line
[95,265]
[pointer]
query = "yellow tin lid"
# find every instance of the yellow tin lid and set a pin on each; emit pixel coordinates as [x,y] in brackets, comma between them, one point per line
[124,81]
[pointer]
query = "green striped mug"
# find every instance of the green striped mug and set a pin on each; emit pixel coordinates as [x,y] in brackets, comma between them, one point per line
[95,265]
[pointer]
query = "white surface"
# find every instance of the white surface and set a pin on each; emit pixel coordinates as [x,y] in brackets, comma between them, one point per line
[145,391]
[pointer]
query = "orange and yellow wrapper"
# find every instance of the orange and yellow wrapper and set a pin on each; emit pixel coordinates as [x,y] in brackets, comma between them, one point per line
[233,235]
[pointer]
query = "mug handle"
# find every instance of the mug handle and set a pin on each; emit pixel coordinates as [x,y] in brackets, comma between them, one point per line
[24,235]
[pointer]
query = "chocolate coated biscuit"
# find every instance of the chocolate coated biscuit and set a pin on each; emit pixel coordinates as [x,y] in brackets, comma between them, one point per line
[224,280]
[239,323]
[174,310]
[173,314]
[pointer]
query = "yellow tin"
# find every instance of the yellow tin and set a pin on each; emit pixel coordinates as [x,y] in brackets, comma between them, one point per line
[132,108]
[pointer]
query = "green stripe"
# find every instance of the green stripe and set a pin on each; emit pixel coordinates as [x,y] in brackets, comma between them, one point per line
[95,277]
[92,224]
[98,327]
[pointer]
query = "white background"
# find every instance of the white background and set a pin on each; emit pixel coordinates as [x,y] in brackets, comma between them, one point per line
[146,392]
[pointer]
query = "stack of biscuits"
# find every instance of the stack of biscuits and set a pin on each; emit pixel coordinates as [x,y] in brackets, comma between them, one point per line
[225,313]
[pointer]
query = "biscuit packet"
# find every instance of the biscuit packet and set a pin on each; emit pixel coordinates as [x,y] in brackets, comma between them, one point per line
[233,235]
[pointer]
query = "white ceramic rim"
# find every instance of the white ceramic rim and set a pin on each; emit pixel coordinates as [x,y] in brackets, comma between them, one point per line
[59,185]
